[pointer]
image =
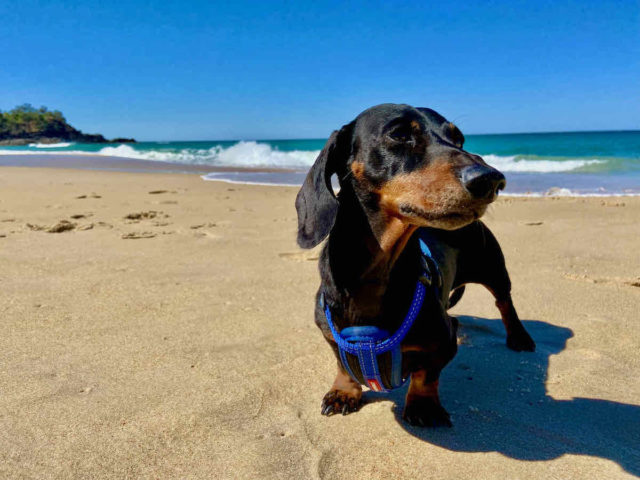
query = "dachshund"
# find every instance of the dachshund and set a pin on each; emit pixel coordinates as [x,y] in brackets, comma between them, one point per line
[403,175]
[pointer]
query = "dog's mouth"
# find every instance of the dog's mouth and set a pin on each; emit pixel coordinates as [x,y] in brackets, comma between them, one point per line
[452,218]
[414,211]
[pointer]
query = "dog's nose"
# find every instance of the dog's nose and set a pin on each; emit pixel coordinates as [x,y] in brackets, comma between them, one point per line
[482,181]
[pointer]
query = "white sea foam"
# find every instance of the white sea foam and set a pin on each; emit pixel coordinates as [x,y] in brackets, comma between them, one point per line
[514,164]
[218,177]
[258,154]
[45,152]
[566,192]
[51,145]
[255,154]
[241,154]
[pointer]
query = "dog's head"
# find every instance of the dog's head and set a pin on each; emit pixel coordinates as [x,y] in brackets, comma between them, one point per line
[404,162]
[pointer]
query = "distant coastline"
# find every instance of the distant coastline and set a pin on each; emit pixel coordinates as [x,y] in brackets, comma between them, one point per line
[25,125]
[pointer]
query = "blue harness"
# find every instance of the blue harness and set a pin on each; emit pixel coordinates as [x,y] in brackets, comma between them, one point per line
[368,343]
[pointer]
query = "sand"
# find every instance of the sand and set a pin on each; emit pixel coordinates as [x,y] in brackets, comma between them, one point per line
[159,326]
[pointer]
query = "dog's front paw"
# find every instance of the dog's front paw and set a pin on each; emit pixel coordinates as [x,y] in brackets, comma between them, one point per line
[425,412]
[341,401]
[521,341]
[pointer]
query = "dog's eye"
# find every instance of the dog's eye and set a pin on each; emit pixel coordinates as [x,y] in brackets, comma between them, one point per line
[401,133]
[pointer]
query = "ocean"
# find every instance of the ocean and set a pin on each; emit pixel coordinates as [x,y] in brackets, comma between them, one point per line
[573,163]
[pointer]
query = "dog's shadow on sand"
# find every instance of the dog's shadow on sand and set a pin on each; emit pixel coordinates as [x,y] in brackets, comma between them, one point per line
[498,403]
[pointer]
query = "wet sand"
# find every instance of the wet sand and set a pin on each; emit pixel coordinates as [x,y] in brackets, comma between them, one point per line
[120,164]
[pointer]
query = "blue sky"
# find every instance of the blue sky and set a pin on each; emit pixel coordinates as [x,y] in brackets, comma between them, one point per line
[169,70]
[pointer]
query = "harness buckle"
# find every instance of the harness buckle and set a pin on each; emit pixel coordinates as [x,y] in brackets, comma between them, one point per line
[425,279]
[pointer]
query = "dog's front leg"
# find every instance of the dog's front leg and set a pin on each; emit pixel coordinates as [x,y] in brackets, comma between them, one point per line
[517,337]
[345,395]
[422,407]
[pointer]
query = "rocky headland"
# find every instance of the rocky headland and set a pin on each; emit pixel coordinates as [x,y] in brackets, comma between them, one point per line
[25,124]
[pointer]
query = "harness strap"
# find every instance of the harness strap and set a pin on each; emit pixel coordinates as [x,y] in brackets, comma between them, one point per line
[367,343]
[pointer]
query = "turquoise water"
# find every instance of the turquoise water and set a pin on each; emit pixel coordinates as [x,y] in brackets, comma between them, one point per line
[575,162]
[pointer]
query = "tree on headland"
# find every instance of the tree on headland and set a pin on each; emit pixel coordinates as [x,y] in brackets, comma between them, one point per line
[26,119]
[25,124]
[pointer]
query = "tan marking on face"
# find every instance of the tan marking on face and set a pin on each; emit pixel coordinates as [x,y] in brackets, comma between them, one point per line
[435,196]
[390,244]
[395,237]
[415,125]
[358,170]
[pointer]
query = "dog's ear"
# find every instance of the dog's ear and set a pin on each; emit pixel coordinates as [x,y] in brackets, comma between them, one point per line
[316,203]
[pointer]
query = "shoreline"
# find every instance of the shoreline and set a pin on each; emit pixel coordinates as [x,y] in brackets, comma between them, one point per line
[111,163]
[518,184]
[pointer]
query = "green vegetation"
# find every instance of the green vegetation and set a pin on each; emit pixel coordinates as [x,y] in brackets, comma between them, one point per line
[26,124]
[26,121]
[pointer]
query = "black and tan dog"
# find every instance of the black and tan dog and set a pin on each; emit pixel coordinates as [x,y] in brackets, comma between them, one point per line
[402,169]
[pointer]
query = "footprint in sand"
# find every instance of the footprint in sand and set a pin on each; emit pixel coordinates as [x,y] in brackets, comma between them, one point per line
[138,216]
[141,215]
[159,192]
[61,226]
[299,256]
[223,223]
[211,236]
[137,235]
[202,225]
[93,195]
[630,282]
[78,216]
[35,227]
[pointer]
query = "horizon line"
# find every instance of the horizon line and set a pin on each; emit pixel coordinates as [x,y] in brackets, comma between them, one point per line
[324,138]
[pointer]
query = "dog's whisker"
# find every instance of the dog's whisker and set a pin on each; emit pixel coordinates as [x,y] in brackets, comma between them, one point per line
[346,177]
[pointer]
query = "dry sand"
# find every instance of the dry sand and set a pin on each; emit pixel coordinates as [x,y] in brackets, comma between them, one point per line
[170,335]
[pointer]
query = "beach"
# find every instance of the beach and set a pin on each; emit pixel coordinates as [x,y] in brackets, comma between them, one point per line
[157,325]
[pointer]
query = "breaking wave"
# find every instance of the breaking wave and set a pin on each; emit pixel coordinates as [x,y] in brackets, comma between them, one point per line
[51,145]
[515,164]
[241,154]
[265,155]
[255,154]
